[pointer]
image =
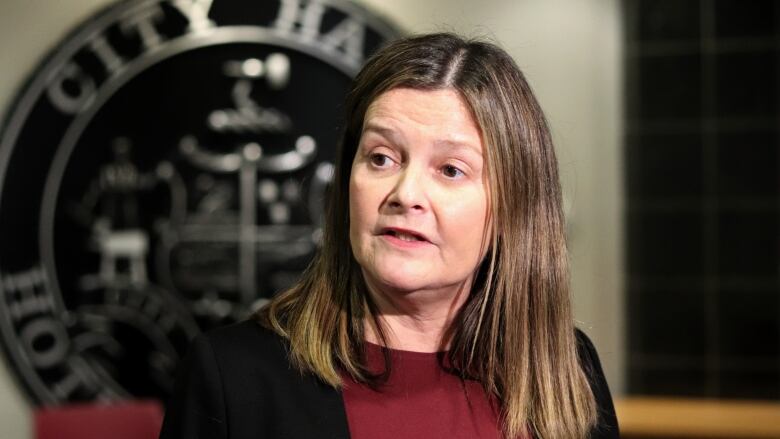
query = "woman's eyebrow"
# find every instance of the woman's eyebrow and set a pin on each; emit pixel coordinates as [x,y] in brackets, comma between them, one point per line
[460,145]
[397,137]
[384,131]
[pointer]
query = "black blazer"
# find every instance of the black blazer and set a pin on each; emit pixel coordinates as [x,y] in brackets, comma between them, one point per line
[236,382]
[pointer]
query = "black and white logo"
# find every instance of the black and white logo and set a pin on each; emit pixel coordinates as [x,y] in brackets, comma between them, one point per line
[160,174]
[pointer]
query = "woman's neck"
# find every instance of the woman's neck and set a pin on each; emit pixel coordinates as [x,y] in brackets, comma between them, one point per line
[418,320]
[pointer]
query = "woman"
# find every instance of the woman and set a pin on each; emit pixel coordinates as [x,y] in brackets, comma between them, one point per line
[438,305]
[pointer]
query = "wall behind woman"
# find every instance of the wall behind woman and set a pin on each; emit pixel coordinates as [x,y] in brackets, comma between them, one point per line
[570,53]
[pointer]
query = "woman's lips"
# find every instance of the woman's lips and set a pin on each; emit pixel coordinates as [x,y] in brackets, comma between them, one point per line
[402,243]
[404,238]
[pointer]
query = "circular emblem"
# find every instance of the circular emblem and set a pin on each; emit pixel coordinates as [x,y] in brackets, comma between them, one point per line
[162,173]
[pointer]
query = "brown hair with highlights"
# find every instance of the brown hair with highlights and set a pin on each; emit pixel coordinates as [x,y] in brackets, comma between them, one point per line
[515,333]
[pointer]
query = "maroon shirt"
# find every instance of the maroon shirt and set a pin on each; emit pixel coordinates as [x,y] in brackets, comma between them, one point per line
[419,400]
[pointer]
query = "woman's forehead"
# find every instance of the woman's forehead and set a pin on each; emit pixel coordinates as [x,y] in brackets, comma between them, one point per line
[441,114]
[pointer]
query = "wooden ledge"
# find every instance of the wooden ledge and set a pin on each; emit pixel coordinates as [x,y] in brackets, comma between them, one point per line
[646,417]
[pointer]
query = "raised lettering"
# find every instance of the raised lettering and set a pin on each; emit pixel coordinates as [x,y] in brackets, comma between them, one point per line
[78,96]
[348,35]
[69,383]
[45,340]
[78,375]
[106,54]
[307,16]
[26,294]
[196,12]
[304,20]
[143,23]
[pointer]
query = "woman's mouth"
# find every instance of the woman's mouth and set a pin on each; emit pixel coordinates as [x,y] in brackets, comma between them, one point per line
[408,237]
[404,238]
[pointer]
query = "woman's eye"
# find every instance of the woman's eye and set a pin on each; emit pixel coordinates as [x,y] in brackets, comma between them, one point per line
[450,171]
[379,160]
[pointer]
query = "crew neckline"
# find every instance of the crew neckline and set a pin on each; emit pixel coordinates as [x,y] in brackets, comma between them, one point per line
[378,348]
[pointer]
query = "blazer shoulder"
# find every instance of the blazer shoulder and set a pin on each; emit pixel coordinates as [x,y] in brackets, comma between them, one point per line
[607,426]
[585,349]
[264,394]
[246,331]
[210,376]
[247,343]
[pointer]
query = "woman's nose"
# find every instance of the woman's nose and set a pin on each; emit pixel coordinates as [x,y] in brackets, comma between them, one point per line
[408,192]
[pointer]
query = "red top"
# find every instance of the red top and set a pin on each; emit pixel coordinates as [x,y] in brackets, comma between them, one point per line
[419,400]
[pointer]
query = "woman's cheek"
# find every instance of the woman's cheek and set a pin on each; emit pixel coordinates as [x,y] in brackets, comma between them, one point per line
[362,212]
[464,219]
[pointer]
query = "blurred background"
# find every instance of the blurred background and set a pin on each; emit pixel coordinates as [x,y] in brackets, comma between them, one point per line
[665,117]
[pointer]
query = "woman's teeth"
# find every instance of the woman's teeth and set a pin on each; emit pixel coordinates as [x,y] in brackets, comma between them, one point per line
[405,237]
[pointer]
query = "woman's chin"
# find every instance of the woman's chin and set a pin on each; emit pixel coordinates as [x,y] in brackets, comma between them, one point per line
[399,279]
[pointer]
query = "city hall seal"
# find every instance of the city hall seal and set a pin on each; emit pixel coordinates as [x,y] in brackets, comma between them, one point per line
[161,173]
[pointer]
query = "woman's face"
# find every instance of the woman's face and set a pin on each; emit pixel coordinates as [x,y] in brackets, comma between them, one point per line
[418,198]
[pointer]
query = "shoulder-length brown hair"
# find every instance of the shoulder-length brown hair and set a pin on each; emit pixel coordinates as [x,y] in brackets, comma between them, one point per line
[515,333]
